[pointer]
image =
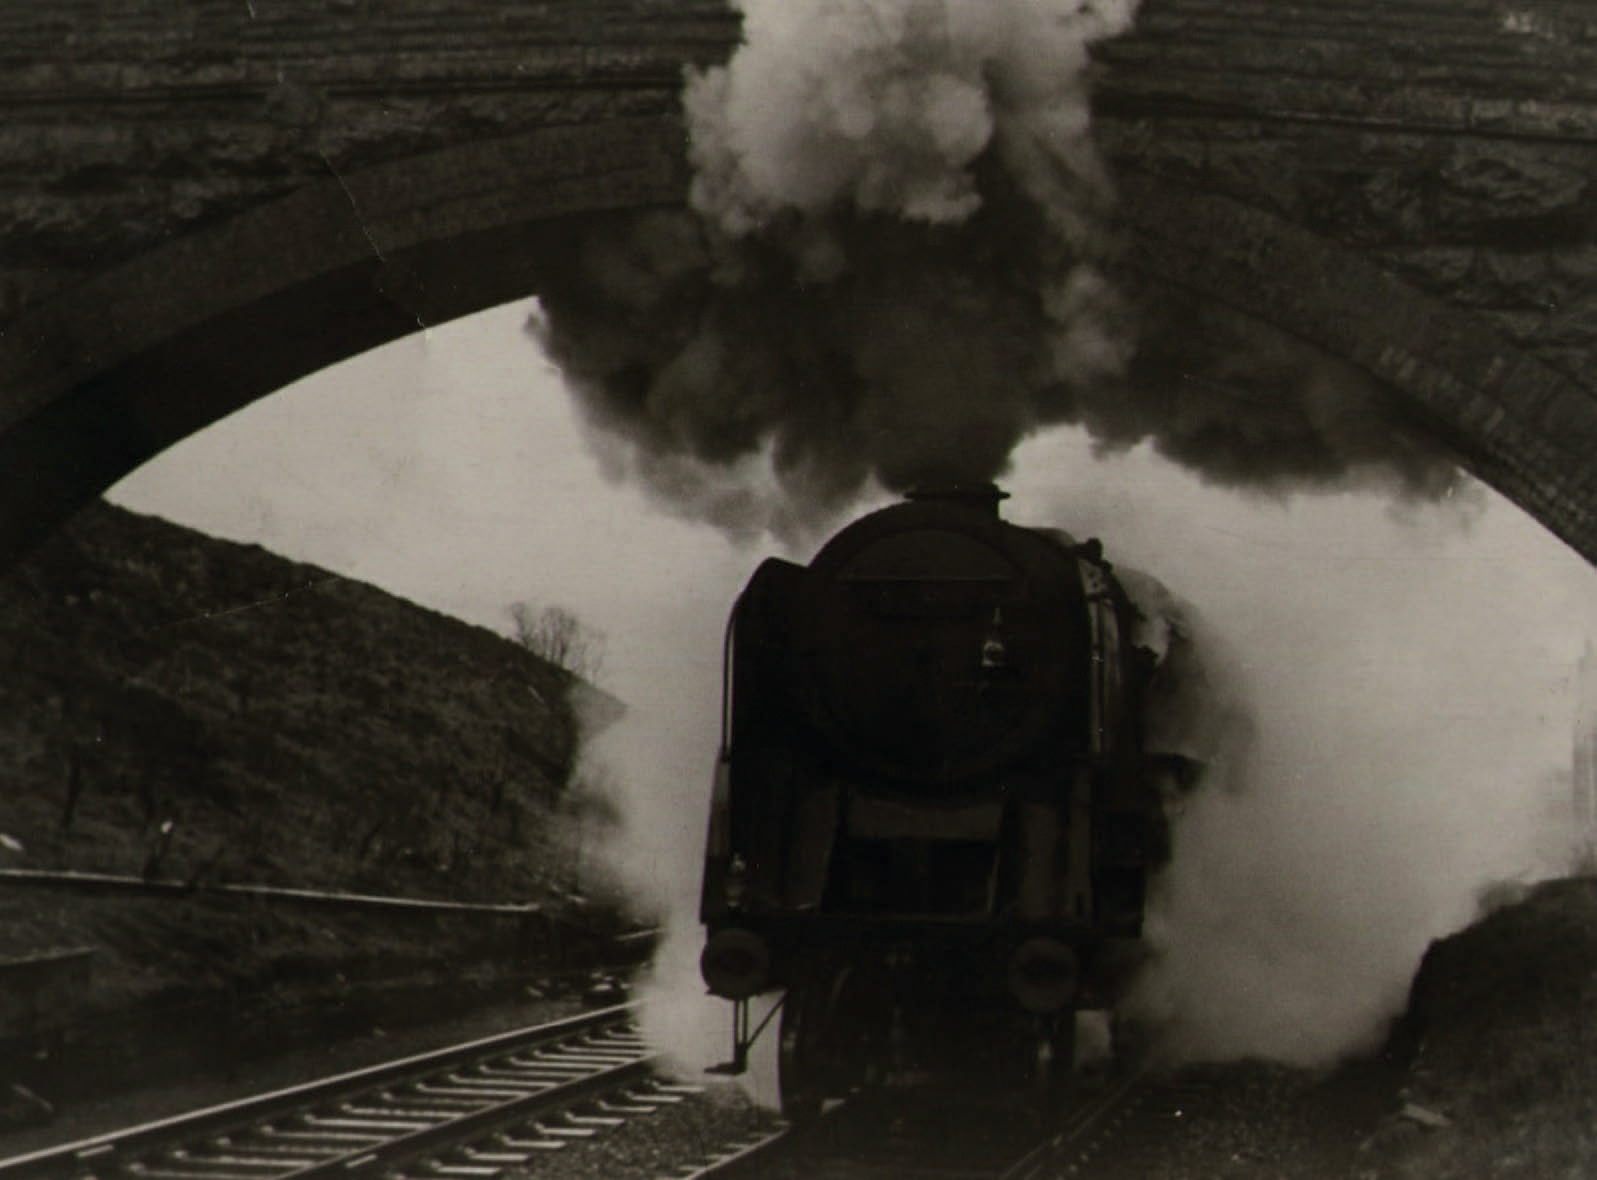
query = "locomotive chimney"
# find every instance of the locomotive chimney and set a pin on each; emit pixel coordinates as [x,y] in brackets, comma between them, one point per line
[980,497]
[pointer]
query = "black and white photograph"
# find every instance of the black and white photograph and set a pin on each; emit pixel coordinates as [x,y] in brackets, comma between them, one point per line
[798,589]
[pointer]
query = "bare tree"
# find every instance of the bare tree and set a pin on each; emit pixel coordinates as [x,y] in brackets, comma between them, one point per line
[557,635]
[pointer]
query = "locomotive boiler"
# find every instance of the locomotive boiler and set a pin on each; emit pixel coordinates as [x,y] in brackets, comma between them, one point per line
[933,819]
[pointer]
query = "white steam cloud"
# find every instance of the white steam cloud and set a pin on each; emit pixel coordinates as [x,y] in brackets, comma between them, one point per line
[1395,698]
[656,763]
[885,106]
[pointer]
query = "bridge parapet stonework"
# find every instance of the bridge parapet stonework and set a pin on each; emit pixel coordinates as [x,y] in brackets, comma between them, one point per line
[1453,144]
[129,124]
[1411,185]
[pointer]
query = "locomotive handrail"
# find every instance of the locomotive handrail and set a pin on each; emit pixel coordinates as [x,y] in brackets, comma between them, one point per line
[726,682]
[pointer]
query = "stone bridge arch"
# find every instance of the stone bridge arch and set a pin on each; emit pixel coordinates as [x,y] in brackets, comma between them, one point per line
[211,199]
[110,373]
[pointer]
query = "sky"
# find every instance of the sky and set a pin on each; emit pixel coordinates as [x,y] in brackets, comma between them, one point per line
[1408,668]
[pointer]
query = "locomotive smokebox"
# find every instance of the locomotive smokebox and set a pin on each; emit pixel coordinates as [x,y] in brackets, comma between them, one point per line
[980,497]
[938,649]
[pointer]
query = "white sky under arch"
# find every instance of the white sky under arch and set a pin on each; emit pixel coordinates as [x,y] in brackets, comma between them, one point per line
[1412,665]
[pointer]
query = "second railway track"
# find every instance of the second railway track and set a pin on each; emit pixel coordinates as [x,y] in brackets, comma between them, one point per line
[468,1112]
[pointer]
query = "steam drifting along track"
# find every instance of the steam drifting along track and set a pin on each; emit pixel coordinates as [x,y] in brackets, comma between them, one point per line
[477,1108]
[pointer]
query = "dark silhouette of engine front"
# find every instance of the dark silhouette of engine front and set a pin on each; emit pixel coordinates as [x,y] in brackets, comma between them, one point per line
[934,818]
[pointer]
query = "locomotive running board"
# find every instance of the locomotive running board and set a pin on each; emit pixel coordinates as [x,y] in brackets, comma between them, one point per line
[742,1039]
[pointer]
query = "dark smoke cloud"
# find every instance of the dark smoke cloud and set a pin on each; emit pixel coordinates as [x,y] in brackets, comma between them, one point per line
[1245,405]
[919,354]
[894,271]
[749,390]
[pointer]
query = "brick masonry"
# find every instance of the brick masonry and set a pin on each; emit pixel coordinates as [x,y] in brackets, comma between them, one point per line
[1409,184]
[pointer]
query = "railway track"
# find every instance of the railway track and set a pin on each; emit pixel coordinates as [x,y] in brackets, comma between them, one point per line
[941,1137]
[467,1112]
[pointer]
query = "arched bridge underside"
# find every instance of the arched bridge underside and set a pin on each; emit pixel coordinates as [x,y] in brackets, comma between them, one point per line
[206,199]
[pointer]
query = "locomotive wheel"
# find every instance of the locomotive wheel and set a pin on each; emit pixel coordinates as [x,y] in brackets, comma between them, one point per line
[1054,1060]
[797,1065]
[817,1043]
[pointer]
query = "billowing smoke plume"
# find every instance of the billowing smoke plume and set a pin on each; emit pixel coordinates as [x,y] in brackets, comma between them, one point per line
[890,272]
[897,266]
[885,107]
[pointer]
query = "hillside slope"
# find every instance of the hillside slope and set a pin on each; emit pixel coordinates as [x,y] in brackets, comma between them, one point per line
[1502,1047]
[193,710]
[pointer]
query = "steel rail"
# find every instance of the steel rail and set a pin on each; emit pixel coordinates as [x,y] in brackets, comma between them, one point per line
[75,880]
[1063,1149]
[1082,1130]
[743,1158]
[372,1119]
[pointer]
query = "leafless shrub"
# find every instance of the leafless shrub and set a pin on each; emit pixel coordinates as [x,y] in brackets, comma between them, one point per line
[557,635]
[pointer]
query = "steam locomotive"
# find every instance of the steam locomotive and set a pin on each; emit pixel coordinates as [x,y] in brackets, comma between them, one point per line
[933,819]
